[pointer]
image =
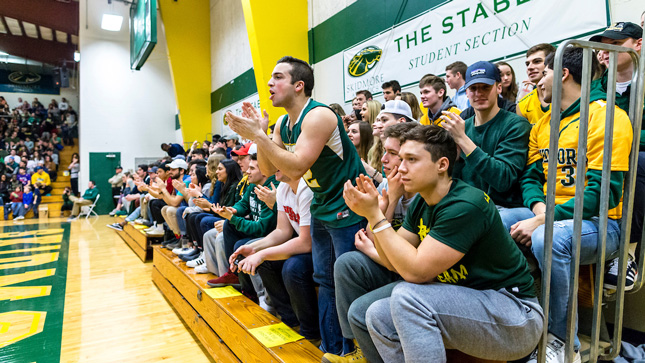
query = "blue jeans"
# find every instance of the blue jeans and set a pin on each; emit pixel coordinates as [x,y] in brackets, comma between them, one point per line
[327,244]
[206,224]
[562,256]
[134,215]
[16,209]
[181,222]
[291,288]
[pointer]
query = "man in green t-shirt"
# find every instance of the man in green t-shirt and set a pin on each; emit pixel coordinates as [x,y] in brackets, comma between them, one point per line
[493,142]
[466,285]
[310,142]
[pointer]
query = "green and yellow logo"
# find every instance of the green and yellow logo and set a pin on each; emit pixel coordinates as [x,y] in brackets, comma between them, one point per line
[364,61]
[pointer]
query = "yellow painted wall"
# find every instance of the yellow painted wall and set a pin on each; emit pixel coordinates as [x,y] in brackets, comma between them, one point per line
[275,28]
[187,29]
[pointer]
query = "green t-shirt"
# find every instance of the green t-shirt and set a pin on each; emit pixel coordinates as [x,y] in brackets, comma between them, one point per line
[337,163]
[496,165]
[466,220]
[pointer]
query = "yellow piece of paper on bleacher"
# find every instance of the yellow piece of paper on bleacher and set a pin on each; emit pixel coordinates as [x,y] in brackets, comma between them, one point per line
[222,292]
[276,334]
[140,226]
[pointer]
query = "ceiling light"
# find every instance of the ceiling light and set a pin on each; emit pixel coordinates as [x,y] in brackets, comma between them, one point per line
[77,56]
[111,22]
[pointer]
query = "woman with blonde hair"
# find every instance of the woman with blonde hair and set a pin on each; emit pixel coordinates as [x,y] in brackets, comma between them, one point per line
[370,110]
[411,99]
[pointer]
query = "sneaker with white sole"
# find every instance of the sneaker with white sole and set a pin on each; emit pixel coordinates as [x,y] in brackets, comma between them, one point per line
[198,261]
[19,218]
[611,276]
[116,226]
[180,251]
[154,226]
[159,231]
[201,269]
[555,352]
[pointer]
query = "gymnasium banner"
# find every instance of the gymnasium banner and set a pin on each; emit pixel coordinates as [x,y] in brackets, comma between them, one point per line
[467,31]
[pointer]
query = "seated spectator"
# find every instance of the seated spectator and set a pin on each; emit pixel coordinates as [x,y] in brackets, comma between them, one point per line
[51,167]
[455,78]
[41,180]
[493,142]
[15,206]
[238,230]
[360,133]
[435,100]
[173,149]
[430,253]
[394,112]
[509,83]
[370,110]
[283,259]
[391,90]
[67,203]
[5,188]
[89,196]
[532,105]
[29,200]
[527,224]
[116,181]
[413,102]
[22,176]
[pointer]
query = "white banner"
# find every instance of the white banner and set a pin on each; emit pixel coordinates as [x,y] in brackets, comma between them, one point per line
[467,31]
[219,123]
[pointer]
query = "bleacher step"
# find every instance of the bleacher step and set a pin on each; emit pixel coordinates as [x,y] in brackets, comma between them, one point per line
[230,318]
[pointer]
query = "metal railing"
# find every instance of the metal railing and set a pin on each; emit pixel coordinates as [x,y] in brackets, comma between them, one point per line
[635,115]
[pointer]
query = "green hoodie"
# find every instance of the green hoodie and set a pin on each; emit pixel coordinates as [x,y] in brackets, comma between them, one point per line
[533,179]
[263,219]
[599,87]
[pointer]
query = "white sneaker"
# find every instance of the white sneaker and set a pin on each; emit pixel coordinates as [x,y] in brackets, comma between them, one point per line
[196,262]
[201,269]
[113,212]
[154,226]
[158,231]
[19,218]
[180,251]
[140,221]
[555,352]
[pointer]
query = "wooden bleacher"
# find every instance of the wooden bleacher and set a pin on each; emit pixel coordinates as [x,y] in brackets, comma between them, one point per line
[140,243]
[222,325]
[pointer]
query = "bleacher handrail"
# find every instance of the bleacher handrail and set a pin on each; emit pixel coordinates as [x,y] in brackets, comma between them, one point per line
[635,110]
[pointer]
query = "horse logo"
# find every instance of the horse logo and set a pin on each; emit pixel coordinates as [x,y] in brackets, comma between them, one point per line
[364,61]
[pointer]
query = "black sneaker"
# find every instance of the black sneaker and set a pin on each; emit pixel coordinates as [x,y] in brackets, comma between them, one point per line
[611,276]
[165,243]
[190,256]
[115,226]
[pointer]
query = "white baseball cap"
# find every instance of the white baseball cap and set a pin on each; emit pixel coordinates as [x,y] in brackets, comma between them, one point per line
[178,164]
[398,107]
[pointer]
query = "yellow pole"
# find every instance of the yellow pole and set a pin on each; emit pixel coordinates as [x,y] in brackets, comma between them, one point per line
[187,29]
[275,28]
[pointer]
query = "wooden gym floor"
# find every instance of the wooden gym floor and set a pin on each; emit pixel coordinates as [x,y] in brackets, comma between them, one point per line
[112,310]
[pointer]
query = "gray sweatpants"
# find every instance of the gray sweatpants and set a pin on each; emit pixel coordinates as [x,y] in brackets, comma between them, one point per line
[417,323]
[359,282]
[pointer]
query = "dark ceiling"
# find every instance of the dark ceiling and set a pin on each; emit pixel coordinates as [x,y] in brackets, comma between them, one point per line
[41,30]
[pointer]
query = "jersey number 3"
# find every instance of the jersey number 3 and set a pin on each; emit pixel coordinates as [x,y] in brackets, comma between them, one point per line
[309,179]
[569,173]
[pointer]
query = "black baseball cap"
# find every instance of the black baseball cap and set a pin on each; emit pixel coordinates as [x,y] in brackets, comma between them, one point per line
[620,30]
[482,72]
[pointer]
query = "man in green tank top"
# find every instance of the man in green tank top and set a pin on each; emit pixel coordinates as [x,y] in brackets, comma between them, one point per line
[310,142]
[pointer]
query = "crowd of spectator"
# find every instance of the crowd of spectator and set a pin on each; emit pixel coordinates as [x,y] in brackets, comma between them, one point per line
[435,212]
[32,137]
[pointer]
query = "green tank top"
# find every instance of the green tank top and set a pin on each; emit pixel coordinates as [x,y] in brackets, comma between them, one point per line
[337,163]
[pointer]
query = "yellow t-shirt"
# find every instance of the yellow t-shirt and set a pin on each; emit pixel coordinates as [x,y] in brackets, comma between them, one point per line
[425,120]
[531,107]
[44,178]
[567,172]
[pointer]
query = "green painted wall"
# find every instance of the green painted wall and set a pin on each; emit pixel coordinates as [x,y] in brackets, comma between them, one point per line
[102,168]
